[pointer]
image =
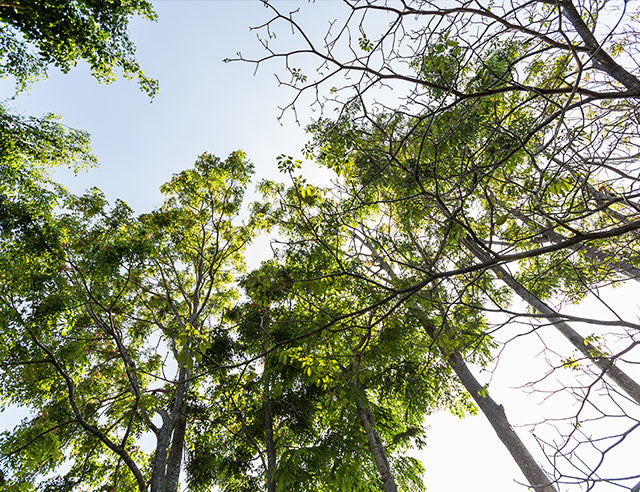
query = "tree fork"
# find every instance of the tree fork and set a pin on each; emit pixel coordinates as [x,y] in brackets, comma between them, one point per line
[601,59]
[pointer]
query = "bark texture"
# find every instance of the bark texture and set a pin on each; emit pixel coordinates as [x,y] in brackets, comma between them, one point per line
[174,463]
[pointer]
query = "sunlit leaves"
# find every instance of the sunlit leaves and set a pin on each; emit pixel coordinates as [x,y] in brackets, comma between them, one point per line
[95,301]
[34,35]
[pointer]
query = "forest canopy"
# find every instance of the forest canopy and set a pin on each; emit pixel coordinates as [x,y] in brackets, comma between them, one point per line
[484,161]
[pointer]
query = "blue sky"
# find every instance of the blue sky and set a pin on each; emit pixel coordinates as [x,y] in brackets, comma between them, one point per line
[203,103]
[207,105]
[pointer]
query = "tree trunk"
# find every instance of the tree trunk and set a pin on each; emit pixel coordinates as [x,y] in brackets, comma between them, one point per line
[492,411]
[600,58]
[375,443]
[167,463]
[174,463]
[498,420]
[269,439]
[160,457]
[617,375]
[608,367]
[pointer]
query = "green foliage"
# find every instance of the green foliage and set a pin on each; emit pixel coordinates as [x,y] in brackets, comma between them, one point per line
[441,65]
[29,147]
[34,35]
[365,44]
[55,332]
[372,291]
[94,301]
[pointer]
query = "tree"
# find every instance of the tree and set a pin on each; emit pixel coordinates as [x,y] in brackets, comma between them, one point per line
[328,400]
[381,366]
[47,292]
[294,418]
[426,232]
[370,234]
[507,140]
[96,302]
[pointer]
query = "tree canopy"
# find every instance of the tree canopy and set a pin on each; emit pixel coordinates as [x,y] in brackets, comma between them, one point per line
[493,148]
[485,175]
[35,35]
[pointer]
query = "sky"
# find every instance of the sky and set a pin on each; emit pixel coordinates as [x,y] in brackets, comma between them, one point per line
[207,105]
[203,103]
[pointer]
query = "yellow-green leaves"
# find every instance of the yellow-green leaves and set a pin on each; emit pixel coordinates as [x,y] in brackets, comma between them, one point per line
[365,44]
[288,164]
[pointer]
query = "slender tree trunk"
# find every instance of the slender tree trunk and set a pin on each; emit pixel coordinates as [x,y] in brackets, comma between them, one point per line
[617,375]
[608,367]
[174,463]
[167,463]
[269,438]
[375,443]
[498,420]
[494,413]
[160,457]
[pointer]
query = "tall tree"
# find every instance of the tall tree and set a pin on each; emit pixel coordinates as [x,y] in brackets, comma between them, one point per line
[96,303]
[511,126]
[369,352]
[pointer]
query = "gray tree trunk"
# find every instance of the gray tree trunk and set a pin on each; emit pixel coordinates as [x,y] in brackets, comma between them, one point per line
[167,462]
[607,365]
[498,420]
[160,457]
[375,443]
[174,463]
[600,58]
[269,435]
[494,413]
